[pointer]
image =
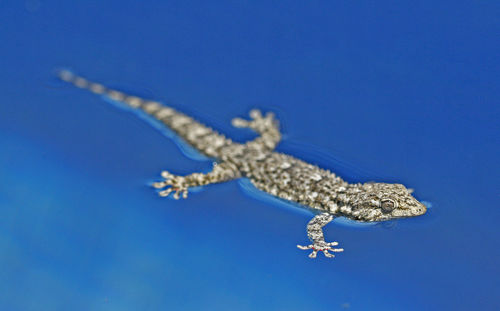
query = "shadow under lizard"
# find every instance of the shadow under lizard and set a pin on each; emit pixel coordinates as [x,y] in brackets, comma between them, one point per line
[278,174]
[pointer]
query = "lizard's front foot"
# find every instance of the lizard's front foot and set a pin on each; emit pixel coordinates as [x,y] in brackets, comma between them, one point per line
[258,122]
[175,184]
[323,247]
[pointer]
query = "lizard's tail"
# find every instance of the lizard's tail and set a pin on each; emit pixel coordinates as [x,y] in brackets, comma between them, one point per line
[96,88]
[195,133]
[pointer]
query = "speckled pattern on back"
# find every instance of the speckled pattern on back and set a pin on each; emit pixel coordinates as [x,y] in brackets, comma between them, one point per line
[276,173]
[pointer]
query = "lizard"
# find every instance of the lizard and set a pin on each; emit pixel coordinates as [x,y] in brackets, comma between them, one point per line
[276,173]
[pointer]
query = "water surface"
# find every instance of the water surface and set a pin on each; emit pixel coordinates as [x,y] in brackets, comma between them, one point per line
[387,92]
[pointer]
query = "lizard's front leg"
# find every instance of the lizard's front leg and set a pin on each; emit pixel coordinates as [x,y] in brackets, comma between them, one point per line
[179,185]
[315,234]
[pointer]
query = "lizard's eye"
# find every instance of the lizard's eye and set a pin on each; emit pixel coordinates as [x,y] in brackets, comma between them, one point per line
[387,205]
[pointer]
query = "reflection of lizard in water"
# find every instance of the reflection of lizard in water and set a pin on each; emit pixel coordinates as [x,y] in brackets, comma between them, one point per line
[276,173]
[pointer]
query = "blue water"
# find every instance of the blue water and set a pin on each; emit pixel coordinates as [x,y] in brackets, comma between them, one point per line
[382,90]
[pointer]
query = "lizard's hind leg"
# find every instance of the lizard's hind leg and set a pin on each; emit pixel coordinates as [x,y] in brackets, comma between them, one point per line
[267,126]
[315,234]
[179,185]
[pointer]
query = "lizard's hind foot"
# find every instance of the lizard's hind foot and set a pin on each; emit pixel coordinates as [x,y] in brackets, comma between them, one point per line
[179,185]
[258,122]
[173,184]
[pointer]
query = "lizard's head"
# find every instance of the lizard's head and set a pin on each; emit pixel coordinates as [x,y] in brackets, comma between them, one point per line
[381,201]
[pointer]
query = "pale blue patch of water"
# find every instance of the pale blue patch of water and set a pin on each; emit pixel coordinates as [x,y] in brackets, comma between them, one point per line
[427,204]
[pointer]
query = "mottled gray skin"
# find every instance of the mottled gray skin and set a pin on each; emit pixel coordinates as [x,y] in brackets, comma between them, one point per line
[276,173]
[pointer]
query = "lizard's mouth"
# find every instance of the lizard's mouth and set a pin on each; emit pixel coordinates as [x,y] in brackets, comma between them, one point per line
[412,211]
[377,215]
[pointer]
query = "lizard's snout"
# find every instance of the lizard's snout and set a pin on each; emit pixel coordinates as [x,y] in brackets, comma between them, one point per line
[421,209]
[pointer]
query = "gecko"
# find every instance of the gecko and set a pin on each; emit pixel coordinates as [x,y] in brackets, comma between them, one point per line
[276,173]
